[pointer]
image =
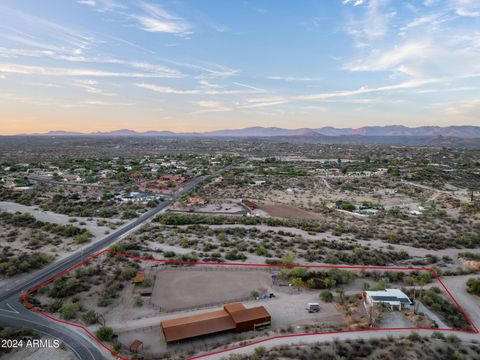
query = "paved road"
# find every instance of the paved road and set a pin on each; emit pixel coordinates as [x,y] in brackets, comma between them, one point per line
[320,338]
[13,313]
[16,315]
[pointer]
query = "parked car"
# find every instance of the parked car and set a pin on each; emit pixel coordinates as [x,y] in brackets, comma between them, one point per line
[313,307]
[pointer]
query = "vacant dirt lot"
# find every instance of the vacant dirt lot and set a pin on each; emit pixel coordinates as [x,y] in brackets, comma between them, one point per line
[174,288]
[289,212]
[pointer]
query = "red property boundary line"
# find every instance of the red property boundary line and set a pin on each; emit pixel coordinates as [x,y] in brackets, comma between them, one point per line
[432,271]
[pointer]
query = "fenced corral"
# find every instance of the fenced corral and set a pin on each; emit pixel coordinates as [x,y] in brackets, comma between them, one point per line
[212,286]
[202,306]
[215,267]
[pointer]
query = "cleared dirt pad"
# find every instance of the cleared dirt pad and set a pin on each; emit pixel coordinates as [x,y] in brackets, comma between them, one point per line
[183,289]
[290,212]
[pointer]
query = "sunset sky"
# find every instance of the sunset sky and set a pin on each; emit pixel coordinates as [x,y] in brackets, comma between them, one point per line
[193,65]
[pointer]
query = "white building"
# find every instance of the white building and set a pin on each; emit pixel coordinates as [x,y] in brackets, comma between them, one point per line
[396,298]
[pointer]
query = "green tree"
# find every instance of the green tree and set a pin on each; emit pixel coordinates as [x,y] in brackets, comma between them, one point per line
[311,283]
[297,282]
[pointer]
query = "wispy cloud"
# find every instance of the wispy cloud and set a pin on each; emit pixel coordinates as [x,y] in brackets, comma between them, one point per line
[208,106]
[373,24]
[469,8]
[202,91]
[428,56]
[42,33]
[251,87]
[95,103]
[260,102]
[293,78]
[406,85]
[164,71]
[155,25]
[167,89]
[455,89]
[56,71]
[103,5]
[47,85]
[353,2]
[465,109]
[92,3]
[430,21]
[91,87]
[393,59]
[157,19]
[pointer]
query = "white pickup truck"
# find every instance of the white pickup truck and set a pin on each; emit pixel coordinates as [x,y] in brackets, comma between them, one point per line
[313,307]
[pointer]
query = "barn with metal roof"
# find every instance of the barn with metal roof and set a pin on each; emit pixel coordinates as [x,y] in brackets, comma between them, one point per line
[232,317]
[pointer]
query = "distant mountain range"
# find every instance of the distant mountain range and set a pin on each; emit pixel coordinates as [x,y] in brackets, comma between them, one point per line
[462,131]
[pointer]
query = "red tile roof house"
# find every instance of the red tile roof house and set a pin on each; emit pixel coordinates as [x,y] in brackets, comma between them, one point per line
[196,200]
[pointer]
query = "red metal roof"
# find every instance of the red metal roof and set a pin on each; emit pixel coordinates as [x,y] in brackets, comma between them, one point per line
[212,322]
[233,307]
[252,314]
[196,325]
[139,278]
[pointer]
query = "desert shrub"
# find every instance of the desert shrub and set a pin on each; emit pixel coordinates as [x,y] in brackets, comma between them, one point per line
[90,317]
[68,311]
[450,312]
[104,333]
[326,296]
[138,301]
[148,281]
[83,237]
[104,299]
[64,287]
[473,286]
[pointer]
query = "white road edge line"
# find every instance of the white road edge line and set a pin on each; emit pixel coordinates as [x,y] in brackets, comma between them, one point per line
[50,336]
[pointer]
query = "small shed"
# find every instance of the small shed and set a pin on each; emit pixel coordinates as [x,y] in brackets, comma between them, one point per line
[139,278]
[135,346]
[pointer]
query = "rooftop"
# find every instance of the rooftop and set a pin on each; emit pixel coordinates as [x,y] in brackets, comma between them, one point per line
[389,295]
[139,278]
[212,322]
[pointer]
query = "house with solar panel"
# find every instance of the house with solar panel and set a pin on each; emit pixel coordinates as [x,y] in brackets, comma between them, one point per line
[395,298]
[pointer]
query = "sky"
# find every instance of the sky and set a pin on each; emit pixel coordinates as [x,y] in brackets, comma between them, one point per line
[199,65]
